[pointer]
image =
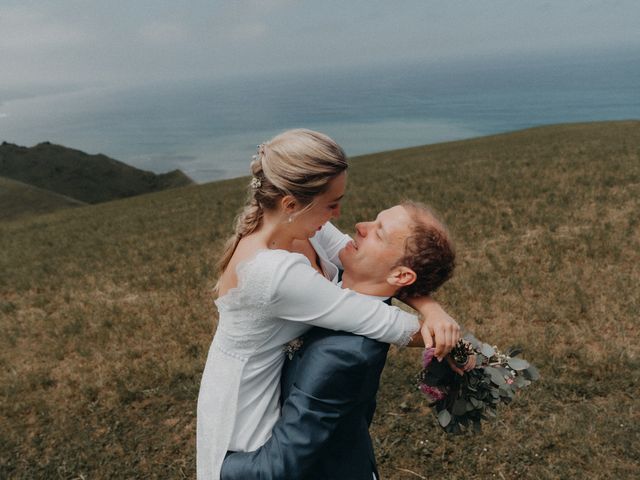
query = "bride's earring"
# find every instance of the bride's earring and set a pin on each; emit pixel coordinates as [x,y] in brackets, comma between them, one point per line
[290,219]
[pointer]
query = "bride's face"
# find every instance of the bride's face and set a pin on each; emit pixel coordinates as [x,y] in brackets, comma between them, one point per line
[307,221]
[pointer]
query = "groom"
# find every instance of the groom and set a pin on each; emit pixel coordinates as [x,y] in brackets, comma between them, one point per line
[329,386]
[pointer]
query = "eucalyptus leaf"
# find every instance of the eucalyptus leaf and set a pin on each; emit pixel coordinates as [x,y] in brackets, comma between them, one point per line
[513,351]
[444,418]
[496,375]
[459,407]
[487,350]
[475,343]
[531,373]
[521,381]
[518,363]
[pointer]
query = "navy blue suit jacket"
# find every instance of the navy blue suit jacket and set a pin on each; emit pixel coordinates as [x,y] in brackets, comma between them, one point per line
[329,391]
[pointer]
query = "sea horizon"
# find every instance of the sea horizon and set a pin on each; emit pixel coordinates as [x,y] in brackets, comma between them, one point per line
[210,128]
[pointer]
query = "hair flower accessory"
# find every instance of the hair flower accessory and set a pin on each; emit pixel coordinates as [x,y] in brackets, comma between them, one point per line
[255,183]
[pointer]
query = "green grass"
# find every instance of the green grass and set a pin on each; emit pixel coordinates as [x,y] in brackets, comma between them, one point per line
[18,199]
[107,315]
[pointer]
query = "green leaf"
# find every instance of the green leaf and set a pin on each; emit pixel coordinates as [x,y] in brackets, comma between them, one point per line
[518,363]
[531,373]
[487,350]
[496,375]
[513,351]
[444,418]
[475,343]
[459,407]
[506,392]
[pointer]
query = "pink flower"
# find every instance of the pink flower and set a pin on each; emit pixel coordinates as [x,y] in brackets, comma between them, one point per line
[432,392]
[427,356]
[509,381]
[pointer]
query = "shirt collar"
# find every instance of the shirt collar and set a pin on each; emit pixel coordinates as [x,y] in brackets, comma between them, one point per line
[383,298]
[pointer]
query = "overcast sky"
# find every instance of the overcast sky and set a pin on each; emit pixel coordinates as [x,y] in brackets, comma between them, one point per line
[118,43]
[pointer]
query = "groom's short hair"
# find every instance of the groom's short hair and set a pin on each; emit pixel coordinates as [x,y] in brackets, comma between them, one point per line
[428,251]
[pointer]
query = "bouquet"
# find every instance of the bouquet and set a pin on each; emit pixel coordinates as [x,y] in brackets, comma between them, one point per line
[465,400]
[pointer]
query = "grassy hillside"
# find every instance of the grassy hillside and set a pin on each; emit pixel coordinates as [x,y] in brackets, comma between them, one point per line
[107,315]
[75,174]
[18,199]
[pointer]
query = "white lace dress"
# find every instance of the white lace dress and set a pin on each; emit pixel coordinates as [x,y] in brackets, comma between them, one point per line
[279,296]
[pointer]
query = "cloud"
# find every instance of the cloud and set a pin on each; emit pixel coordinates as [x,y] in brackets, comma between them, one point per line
[163,33]
[27,30]
[123,42]
[245,32]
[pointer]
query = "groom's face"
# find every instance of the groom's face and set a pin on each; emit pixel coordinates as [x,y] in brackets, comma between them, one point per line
[377,245]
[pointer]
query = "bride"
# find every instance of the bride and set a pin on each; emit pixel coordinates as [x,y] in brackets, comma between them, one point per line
[278,279]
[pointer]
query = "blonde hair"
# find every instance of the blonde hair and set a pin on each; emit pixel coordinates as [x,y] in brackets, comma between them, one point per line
[300,163]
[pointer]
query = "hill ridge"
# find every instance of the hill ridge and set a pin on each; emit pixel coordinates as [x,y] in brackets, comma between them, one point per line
[82,176]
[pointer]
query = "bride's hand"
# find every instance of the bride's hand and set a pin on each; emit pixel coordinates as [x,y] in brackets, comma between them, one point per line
[437,325]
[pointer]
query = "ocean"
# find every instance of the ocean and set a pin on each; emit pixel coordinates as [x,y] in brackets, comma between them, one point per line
[210,128]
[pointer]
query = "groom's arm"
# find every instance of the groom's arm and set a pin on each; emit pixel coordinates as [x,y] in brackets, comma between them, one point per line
[337,378]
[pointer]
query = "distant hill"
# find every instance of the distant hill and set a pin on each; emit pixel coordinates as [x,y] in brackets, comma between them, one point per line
[83,177]
[18,199]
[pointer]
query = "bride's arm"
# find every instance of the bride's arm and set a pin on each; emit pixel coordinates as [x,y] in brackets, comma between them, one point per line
[332,241]
[437,326]
[300,294]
